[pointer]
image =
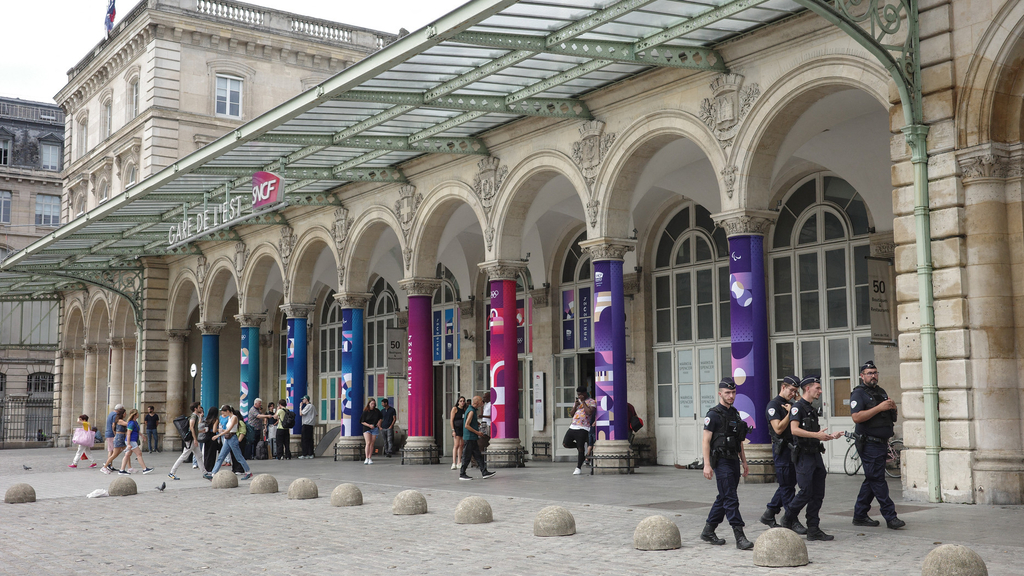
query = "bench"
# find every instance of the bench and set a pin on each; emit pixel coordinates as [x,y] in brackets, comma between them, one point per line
[424,455]
[540,449]
[518,456]
[630,461]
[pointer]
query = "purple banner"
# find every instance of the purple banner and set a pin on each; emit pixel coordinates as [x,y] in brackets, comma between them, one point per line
[584,318]
[420,372]
[352,368]
[748,309]
[609,351]
[568,319]
[438,346]
[504,360]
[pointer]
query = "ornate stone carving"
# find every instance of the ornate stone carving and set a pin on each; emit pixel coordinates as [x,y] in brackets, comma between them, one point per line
[179,336]
[746,222]
[467,308]
[502,269]
[406,206]
[592,206]
[729,104]
[489,237]
[202,269]
[407,257]
[342,224]
[630,284]
[541,297]
[210,327]
[341,275]
[66,353]
[286,245]
[250,320]
[88,348]
[729,179]
[241,256]
[352,299]
[419,286]
[488,181]
[589,151]
[884,250]
[116,343]
[986,166]
[297,310]
[608,248]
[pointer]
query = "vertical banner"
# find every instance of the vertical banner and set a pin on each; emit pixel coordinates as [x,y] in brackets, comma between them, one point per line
[296,368]
[610,351]
[504,360]
[449,334]
[748,310]
[584,314]
[420,368]
[521,326]
[882,298]
[438,337]
[249,370]
[568,315]
[210,394]
[352,369]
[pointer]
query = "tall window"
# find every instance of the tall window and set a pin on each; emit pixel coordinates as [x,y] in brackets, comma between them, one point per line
[83,138]
[47,210]
[133,99]
[40,383]
[129,177]
[381,314]
[445,335]
[5,207]
[50,156]
[229,96]
[5,151]
[108,119]
[80,205]
[331,340]
[577,298]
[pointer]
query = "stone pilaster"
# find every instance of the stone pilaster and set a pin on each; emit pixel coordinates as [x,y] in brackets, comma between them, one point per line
[176,373]
[67,397]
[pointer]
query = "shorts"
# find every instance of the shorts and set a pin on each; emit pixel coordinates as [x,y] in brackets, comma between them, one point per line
[458,431]
[134,445]
[119,441]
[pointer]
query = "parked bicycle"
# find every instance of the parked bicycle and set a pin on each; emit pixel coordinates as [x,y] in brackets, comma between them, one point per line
[852,463]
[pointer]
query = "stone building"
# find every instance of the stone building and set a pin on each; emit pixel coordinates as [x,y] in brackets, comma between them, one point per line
[657,194]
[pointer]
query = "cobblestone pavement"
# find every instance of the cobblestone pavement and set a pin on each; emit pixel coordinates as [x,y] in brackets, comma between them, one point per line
[191,527]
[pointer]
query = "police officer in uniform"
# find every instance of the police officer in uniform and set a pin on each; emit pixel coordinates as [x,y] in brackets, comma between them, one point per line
[874,413]
[777,414]
[810,468]
[724,432]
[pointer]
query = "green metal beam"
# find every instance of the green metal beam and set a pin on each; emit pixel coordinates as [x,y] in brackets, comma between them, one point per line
[546,107]
[454,145]
[701,20]
[335,173]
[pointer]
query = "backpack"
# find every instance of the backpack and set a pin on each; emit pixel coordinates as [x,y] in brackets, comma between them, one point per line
[241,430]
[261,450]
[289,419]
[635,422]
[181,425]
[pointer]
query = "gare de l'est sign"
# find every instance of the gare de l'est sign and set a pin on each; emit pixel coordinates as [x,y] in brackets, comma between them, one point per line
[266,189]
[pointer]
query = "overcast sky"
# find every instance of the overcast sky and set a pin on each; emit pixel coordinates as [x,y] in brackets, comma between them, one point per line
[45,38]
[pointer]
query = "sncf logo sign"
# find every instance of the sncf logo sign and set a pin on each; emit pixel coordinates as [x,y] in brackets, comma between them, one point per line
[266,186]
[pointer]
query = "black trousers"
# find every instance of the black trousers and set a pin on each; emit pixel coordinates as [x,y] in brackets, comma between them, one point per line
[307,439]
[874,487]
[576,438]
[472,450]
[727,504]
[810,476]
[785,474]
[284,448]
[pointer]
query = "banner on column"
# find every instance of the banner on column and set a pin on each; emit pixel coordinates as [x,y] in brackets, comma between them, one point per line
[504,360]
[244,402]
[749,327]
[347,400]
[420,367]
[609,351]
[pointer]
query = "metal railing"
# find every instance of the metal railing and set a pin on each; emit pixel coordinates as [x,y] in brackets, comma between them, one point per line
[231,11]
[33,113]
[26,419]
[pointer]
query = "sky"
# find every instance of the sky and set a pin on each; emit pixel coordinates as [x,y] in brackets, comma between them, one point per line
[51,36]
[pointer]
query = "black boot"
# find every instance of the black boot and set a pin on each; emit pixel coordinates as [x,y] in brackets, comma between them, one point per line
[768,518]
[815,533]
[708,535]
[741,539]
[792,524]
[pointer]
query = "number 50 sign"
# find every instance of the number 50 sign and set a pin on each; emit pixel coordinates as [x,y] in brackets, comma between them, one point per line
[397,360]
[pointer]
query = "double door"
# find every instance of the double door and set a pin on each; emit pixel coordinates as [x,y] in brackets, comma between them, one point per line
[687,387]
[572,370]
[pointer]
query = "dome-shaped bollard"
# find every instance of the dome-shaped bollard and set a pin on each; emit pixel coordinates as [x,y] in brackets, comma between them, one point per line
[303,489]
[20,494]
[346,495]
[473,510]
[123,486]
[225,479]
[953,560]
[554,521]
[263,484]
[780,547]
[409,502]
[657,533]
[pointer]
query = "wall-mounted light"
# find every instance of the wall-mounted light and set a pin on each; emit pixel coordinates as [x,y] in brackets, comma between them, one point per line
[633,237]
[638,269]
[546,285]
[467,336]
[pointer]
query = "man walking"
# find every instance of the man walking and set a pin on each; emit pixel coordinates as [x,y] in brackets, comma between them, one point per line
[308,422]
[284,432]
[471,431]
[724,433]
[387,426]
[152,420]
[192,447]
[777,414]
[874,413]
[255,422]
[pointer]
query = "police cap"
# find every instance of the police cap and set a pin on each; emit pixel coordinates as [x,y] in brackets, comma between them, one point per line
[808,380]
[791,381]
[727,383]
[869,365]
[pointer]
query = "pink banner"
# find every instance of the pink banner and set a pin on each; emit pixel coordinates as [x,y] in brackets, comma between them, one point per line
[504,360]
[266,189]
[420,373]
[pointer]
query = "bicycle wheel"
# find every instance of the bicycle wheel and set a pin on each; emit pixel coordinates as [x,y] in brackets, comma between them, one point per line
[851,464]
[893,460]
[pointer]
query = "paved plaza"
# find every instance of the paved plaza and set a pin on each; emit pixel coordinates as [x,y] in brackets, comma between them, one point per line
[193,528]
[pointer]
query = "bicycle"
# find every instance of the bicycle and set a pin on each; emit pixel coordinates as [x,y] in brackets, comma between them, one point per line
[852,463]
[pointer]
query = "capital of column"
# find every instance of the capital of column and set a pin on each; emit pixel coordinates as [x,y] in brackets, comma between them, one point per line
[356,300]
[541,297]
[988,163]
[296,310]
[116,343]
[89,348]
[180,336]
[68,353]
[419,286]
[127,343]
[250,320]
[743,222]
[466,308]
[502,269]
[213,328]
[608,248]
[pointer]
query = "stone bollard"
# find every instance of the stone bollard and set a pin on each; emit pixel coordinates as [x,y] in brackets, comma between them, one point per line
[263,484]
[123,486]
[303,489]
[779,547]
[953,560]
[346,495]
[409,502]
[225,479]
[657,533]
[554,521]
[473,510]
[19,494]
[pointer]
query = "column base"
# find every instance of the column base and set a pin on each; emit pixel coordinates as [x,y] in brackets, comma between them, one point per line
[420,450]
[761,464]
[613,457]
[505,453]
[998,478]
[350,448]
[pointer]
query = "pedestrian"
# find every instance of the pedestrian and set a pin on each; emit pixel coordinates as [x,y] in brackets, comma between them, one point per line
[485,415]
[388,419]
[371,425]
[255,421]
[284,448]
[229,440]
[192,446]
[134,446]
[211,445]
[456,418]
[152,420]
[874,414]
[118,428]
[578,434]
[724,433]
[108,431]
[271,417]
[471,432]
[241,434]
[85,445]
[777,414]
[810,467]
[308,413]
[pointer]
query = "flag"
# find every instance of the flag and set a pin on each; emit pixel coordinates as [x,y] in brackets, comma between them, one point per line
[108,20]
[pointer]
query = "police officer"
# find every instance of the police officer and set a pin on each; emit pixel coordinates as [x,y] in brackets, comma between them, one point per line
[874,413]
[810,468]
[777,414]
[724,432]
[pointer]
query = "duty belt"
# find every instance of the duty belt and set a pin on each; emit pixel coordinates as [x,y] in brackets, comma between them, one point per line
[875,440]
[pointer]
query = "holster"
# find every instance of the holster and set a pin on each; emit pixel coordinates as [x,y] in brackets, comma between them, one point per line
[794,452]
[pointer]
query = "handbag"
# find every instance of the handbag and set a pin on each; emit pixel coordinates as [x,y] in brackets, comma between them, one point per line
[204,437]
[82,437]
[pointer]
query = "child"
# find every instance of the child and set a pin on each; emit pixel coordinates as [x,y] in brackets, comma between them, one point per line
[132,440]
[83,450]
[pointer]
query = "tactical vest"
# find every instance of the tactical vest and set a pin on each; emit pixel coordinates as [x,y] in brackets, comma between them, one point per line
[726,441]
[880,425]
[809,422]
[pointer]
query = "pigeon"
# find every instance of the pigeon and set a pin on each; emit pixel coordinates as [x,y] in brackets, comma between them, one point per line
[162,486]
[26,467]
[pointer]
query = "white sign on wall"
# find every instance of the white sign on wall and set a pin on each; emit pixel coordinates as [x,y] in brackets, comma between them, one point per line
[397,359]
[881,298]
[538,401]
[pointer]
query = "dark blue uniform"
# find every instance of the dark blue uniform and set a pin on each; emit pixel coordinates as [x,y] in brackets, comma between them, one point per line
[874,449]
[721,420]
[785,473]
[810,467]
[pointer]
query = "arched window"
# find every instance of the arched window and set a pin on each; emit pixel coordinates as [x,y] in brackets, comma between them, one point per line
[40,383]
[576,292]
[381,314]
[104,191]
[445,333]
[130,175]
[80,204]
[331,389]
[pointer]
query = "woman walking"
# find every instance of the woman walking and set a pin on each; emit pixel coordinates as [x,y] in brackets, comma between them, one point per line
[229,437]
[119,428]
[132,440]
[456,418]
[371,423]
[210,445]
[272,431]
[83,446]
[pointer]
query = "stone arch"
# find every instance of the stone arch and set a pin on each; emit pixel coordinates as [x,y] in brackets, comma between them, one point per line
[636,144]
[763,131]
[97,318]
[432,218]
[179,309]
[994,82]
[524,182]
[307,251]
[74,331]
[221,271]
[365,232]
[122,318]
[258,266]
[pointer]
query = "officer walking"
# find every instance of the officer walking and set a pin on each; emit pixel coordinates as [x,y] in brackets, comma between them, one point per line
[874,413]
[810,468]
[777,414]
[724,432]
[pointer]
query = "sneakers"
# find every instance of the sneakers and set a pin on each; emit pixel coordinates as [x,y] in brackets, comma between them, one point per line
[465,477]
[195,466]
[247,476]
[865,521]
[489,475]
[366,460]
[173,477]
[131,470]
[106,469]
[895,524]
[72,465]
[369,460]
[454,467]
[577,472]
[208,476]
[147,470]
[93,465]
[123,473]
